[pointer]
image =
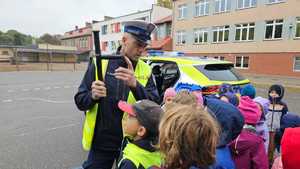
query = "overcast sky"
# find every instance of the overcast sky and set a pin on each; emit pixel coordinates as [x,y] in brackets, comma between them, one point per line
[36,17]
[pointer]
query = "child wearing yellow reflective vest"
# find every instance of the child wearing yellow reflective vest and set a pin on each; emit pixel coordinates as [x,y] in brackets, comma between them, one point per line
[142,128]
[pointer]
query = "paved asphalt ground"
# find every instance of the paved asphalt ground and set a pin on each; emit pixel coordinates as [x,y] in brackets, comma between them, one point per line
[40,126]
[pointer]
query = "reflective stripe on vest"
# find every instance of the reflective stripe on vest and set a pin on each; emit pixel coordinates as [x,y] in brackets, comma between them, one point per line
[140,156]
[142,74]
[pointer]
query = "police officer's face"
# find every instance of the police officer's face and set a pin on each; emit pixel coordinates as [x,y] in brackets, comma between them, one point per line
[131,47]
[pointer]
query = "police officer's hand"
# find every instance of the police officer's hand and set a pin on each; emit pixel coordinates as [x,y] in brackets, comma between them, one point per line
[98,90]
[127,75]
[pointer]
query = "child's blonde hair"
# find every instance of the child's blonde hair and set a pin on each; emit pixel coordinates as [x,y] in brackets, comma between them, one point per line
[188,137]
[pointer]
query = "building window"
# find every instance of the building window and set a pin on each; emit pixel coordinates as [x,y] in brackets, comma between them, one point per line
[275,1]
[200,36]
[221,33]
[4,52]
[246,3]
[104,29]
[202,7]
[244,32]
[274,29]
[104,46]
[182,12]
[180,37]
[169,29]
[219,57]
[222,5]
[298,28]
[117,27]
[242,62]
[297,63]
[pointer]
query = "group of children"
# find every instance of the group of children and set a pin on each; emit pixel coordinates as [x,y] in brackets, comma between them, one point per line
[225,131]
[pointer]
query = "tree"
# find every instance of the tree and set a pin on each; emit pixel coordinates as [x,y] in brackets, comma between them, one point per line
[165,3]
[47,38]
[13,37]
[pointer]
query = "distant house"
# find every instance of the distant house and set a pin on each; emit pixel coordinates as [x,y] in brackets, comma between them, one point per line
[162,39]
[38,53]
[111,28]
[81,39]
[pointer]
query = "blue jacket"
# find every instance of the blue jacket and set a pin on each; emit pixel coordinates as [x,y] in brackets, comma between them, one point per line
[231,122]
[108,130]
[229,118]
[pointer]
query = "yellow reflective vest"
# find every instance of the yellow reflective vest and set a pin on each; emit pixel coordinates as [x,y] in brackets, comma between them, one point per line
[142,73]
[141,157]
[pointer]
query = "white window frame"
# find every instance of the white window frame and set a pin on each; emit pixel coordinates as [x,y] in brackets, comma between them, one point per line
[244,5]
[297,24]
[242,62]
[296,59]
[182,11]
[180,37]
[275,1]
[241,27]
[219,29]
[220,6]
[202,4]
[198,32]
[274,24]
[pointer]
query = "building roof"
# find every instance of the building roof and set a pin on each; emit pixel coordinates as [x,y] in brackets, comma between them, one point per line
[138,12]
[164,20]
[158,44]
[26,50]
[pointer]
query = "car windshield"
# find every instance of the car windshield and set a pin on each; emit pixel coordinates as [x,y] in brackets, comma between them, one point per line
[220,72]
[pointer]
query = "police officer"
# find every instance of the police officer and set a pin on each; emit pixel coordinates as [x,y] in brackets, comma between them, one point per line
[130,80]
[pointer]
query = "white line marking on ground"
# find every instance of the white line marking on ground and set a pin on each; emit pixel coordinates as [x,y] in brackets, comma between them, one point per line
[45,100]
[22,134]
[25,90]
[10,91]
[61,127]
[56,87]
[66,87]
[47,88]
[7,101]
[36,89]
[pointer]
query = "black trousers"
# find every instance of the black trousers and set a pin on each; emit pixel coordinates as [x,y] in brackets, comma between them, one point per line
[99,159]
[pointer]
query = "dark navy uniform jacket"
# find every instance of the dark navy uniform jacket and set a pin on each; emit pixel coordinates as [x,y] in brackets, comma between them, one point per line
[108,130]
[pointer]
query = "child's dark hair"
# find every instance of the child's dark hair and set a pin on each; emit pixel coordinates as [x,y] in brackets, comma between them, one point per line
[188,137]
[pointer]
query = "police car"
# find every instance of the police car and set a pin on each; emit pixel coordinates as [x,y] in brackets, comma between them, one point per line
[208,73]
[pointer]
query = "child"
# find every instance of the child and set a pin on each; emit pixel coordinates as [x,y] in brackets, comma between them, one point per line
[142,125]
[248,148]
[182,97]
[170,93]
[277,107]
[231,122]
[261,126]
[290,148]
[290,120]
[230,97]
[277,110]
[248,90]
[188,137]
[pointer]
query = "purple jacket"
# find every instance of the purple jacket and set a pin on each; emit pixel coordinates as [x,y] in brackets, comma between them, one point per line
[248,151]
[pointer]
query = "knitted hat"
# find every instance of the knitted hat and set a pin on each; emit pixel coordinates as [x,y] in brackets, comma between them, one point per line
[248,90]
[199,96]
[250,110]
[290,147]
[263,102]
[170,92]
